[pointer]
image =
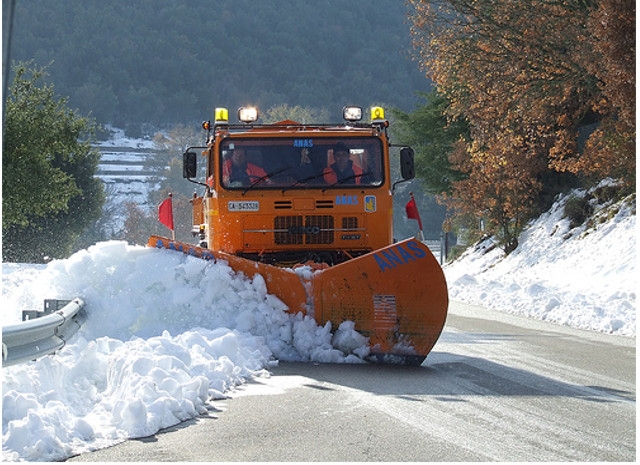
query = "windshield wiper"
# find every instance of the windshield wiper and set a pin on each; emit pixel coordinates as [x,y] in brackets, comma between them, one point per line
[343,180]
[302,181]
[262,178]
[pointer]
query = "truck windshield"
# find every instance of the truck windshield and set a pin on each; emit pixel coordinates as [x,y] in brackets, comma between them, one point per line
[299,163]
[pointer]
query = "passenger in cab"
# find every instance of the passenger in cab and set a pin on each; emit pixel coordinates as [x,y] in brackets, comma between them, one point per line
[236,171]
[343,169]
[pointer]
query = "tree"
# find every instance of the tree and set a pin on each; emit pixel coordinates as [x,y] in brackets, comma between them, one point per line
[49,190]
[142,62]
[169,149]
[296,113]
[139,224]
[433,136]
[521,73]
[610,149]
[108,226]
[501,187]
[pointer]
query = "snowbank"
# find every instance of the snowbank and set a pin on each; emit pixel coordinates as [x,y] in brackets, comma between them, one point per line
[583,277]
[165,333]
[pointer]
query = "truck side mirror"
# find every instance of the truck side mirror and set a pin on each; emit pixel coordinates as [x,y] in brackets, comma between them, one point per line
[407,166]
[189,165]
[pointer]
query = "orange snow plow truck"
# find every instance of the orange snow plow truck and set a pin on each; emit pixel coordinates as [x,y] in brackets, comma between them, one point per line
[309,207]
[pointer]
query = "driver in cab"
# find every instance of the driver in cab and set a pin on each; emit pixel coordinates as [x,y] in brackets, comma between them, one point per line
[343,169]
[236,171]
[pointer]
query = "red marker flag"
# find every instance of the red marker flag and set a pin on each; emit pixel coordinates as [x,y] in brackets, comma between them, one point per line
[165,213]
[412,211]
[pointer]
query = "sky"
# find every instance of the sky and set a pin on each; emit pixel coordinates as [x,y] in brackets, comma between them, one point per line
[166,333]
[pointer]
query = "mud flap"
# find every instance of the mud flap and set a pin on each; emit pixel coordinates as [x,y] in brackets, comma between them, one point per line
[397,297]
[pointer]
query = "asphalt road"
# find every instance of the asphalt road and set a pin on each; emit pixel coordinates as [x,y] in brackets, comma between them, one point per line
[495,388]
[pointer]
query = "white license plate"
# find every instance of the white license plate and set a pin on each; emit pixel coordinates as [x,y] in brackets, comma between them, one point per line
[243,206]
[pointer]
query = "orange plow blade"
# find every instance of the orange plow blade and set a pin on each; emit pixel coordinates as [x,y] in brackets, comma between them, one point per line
[397,297]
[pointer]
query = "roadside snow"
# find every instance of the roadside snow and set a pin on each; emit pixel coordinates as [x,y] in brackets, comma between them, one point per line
[583,277]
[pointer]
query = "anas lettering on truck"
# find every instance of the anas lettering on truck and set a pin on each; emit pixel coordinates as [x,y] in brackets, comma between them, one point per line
[398,255]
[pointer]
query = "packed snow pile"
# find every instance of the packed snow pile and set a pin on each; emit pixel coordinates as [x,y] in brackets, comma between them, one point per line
[582,276]
[166,332]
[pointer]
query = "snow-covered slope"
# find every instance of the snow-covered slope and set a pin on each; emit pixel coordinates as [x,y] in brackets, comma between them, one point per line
[583,277]
[130,170]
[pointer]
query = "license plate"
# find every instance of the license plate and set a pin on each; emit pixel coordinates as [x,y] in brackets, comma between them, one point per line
[243,206]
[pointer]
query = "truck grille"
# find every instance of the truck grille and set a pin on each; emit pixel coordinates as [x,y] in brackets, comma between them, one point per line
[288,204]
[311,229]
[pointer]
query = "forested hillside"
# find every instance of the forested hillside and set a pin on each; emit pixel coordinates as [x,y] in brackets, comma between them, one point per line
[172,61]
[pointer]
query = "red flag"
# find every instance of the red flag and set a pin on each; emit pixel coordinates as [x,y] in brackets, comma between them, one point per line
[412,211]
[165,213]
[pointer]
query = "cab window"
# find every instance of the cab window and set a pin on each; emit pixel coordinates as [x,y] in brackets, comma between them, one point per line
[290,163]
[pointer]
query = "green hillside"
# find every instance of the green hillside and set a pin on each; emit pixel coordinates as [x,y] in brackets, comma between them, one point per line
[172,61]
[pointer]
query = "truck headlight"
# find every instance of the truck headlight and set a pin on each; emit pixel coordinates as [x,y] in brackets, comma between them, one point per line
[352,114]
[247,114]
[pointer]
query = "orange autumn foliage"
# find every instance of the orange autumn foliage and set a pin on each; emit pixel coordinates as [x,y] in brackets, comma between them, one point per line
[533,78]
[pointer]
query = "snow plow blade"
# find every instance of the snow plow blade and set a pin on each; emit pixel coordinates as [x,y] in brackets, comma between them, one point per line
[396,296]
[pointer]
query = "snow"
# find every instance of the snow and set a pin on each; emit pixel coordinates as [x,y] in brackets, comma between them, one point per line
[118,138]
[582,277]
[127,174]
[166,332]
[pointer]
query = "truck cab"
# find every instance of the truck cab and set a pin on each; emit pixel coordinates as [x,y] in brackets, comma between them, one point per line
[288,193]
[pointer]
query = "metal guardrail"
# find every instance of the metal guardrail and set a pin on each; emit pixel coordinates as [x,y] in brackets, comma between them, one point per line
[42,335]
